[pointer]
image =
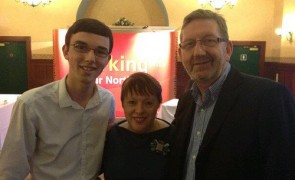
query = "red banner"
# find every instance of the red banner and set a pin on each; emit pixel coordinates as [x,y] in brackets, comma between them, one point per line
[153,52]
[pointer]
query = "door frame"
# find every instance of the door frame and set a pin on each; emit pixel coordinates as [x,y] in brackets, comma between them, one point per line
[261,45]
[27,40]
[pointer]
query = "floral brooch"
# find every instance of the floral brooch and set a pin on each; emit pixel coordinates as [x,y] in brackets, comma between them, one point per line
[160,147]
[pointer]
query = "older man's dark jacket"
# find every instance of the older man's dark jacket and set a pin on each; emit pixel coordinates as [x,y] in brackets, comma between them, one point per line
[251,133]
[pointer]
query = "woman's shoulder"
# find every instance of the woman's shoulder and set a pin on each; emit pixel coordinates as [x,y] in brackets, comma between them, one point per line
[162,123]
[115,128]
[166,129]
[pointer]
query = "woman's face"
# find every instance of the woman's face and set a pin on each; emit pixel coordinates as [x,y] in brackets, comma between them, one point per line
[140,112]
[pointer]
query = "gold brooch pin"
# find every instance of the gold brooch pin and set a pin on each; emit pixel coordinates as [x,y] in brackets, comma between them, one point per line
[160,147]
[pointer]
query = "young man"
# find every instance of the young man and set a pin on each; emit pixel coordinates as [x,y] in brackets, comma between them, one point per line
[229,125]
[58,131]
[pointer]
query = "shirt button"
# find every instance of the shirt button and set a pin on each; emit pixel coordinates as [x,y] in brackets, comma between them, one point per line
[198,133]
[194,157]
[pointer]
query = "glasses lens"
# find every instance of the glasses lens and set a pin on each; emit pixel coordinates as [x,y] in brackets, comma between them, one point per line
[100,52]
[188,44]
[210,42]
[81,48]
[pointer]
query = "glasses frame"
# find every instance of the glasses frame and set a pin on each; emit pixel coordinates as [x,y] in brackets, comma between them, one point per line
[204,42]
[97,51]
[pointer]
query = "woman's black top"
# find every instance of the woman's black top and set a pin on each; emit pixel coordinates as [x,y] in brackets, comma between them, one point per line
[137,156]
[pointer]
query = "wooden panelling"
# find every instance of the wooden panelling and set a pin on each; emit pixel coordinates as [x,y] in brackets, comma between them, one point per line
[182,80]
[283,73]
[41,72]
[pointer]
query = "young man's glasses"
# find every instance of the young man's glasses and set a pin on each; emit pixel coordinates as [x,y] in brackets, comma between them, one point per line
[209,42]
[98,52]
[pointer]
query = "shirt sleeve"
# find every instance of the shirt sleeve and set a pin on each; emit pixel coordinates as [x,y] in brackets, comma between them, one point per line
[19,143]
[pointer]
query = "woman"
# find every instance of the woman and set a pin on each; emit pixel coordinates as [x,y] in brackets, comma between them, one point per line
[138,147]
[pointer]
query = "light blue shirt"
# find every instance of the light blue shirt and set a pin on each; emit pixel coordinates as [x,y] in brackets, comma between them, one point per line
[202,116]
[53,137]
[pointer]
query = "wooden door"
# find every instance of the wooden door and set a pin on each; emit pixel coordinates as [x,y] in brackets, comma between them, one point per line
[15,55]
[249,57]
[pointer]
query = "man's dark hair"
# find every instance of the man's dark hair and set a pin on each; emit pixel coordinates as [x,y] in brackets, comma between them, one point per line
[90,25]
[206,14]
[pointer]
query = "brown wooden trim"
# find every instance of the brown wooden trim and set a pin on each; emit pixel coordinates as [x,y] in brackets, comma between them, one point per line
[282,64]
[283,73]
[42,72]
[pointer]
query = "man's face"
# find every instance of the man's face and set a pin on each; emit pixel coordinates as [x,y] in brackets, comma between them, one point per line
[204,64]
[87,55]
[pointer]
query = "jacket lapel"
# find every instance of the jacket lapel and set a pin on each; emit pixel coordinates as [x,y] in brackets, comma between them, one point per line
[225,102]
[184,118]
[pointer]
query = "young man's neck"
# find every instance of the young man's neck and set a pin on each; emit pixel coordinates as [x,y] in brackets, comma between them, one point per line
[79,92]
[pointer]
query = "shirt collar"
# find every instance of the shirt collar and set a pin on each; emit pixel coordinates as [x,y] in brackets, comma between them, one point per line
[65,100]
[63,95]
[212,93]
